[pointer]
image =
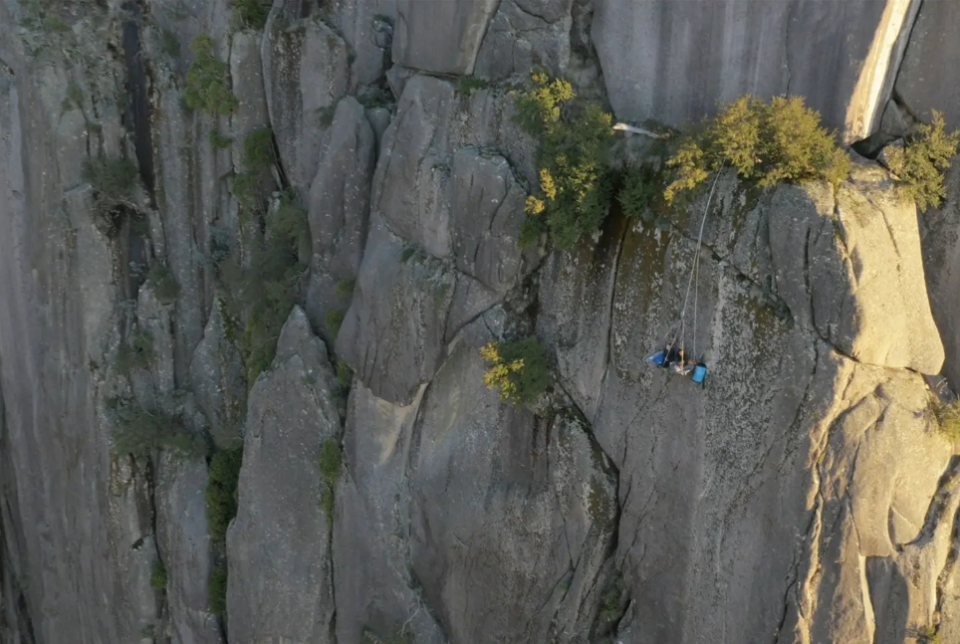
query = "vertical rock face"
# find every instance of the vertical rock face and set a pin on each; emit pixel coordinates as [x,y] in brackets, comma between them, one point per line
[81,531]
[941,257]
[802,495]
[927,79]
[712,478]
[305,73]
[441,37]
[280,581]
[673,60]
[339,207]
[529,566]
[523,34]
[183,542]
[884,317]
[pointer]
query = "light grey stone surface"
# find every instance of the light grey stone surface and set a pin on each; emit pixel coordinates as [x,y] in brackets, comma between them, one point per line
[524,34]
[393,332]
[217,378]
[441,37]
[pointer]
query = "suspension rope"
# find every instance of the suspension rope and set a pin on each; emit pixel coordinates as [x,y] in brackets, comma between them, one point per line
[695,271]
[696,291]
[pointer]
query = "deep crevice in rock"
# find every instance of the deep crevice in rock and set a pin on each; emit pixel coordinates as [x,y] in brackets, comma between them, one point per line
[15,617]
[137,112]
[946,487]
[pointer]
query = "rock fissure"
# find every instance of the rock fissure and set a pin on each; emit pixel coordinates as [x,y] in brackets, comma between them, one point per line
[947,486]
[528,12]
[786,48]
[792,579]
[894,94]
[483,36]
[946,573]
[139,105]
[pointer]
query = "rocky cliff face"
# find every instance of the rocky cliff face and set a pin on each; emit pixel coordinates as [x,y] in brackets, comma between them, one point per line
[361,483]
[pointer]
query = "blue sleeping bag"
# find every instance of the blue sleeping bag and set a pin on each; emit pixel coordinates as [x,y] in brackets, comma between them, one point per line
[657,358]
[699,373]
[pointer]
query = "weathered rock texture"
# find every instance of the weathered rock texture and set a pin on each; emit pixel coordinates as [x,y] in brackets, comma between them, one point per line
[802,495]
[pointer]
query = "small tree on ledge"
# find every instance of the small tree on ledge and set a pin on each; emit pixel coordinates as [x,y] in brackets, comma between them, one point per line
[918,167]
[780,141]
[518,370]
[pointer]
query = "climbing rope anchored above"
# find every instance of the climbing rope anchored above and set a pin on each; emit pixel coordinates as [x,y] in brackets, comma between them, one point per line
[673,357]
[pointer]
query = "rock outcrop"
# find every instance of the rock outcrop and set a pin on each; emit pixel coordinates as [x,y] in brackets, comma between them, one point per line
[280,577]
[803,494]
[442,38]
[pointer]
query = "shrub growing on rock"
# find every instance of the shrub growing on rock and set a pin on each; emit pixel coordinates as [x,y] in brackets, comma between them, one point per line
[262,292]
[334,321]
[948,419]
[113,182]
[250,14]
[575,182]
[219,140]
[927,635]
[919,166]
[221,493]
[221,498]
[139,431]
[164,284]
[518,370]
[258,152]
[779,141]
[276,266]
[217,591]
[640,186]
[158,576]
[208,80]
[330,458]
[136,353]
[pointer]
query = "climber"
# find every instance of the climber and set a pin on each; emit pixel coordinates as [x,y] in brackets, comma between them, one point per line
[666,358]
[672,356]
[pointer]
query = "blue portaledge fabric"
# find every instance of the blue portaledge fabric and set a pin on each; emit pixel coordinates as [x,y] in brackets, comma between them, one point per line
[657,358]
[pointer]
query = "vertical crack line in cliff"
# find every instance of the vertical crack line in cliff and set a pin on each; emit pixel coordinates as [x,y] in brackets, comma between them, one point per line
[10,538]
[950,563]
[895,77]
[806,279]
[794,573]
[946,487]
[486,30]
[786,48]
[608,351]
[138,104]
